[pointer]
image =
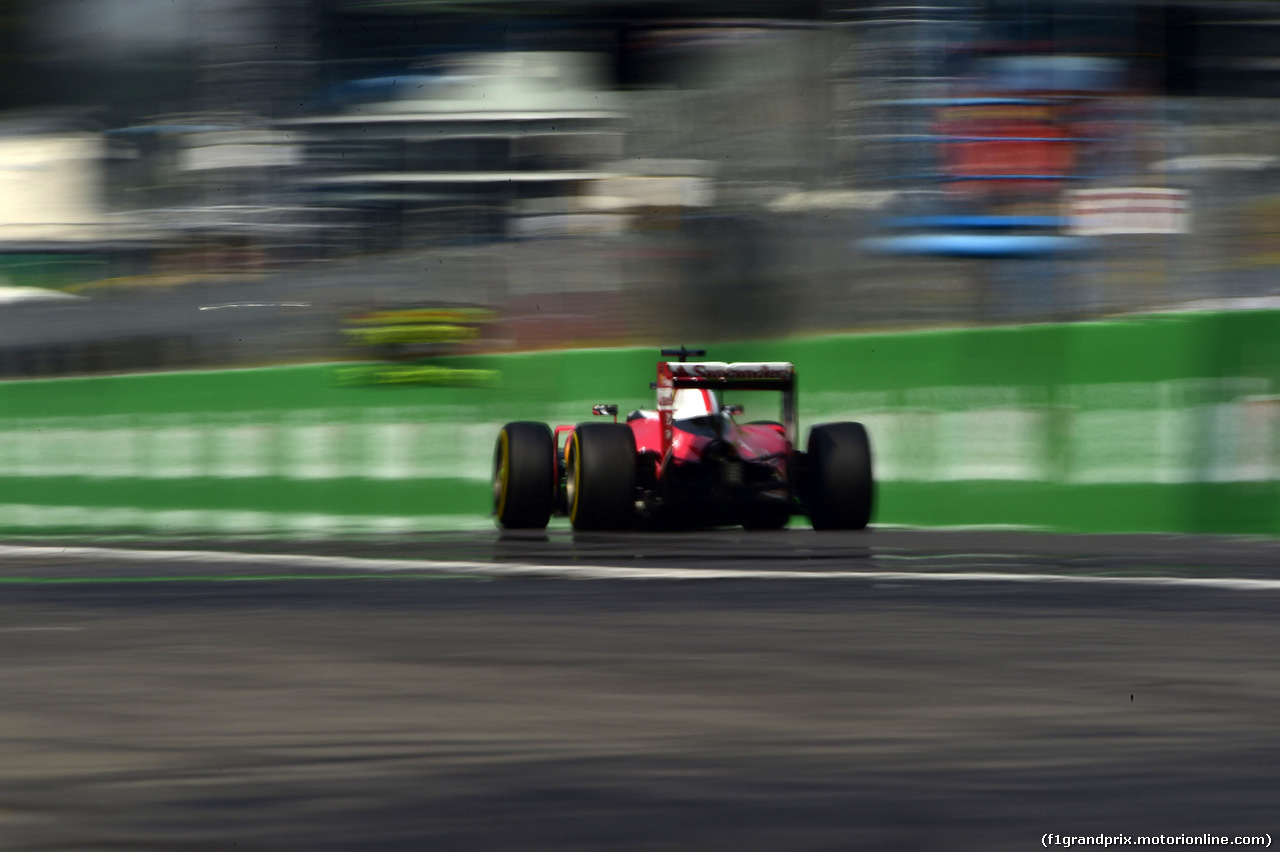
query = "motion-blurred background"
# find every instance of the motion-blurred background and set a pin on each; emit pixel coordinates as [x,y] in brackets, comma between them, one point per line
[228,182]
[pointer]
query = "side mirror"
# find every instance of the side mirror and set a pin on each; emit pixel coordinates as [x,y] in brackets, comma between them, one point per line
[605,410]
[732,410]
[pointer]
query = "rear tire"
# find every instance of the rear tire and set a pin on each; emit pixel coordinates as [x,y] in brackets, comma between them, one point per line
[524,476]
[840,492]
[600,477]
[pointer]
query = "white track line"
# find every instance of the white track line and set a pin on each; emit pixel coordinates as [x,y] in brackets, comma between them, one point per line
[299,561]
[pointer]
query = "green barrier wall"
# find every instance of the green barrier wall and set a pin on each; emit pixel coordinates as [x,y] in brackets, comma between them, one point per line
[1164,423]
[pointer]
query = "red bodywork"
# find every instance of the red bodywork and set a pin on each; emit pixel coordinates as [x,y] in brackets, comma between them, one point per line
[692,455]
[754,442]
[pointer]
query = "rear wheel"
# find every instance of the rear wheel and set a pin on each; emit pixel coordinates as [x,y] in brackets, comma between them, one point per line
[840,492]
[524,476]
[600,477]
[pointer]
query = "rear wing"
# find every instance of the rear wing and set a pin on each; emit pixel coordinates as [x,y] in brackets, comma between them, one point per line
[719,375]
[745,375]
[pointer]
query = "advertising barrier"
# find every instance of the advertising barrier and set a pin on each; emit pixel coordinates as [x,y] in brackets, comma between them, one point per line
[1167,422]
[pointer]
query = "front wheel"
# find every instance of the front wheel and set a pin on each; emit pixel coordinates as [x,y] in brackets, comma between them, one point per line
[524,476]
[600,476]
[840,492]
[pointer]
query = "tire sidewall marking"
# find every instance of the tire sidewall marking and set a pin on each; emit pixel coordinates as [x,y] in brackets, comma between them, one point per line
[502,477]
[574,479]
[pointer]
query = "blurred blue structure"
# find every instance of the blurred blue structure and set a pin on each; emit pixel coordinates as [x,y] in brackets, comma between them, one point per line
[771,167]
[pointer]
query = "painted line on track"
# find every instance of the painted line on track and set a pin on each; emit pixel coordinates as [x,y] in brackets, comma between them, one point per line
[136,579]
[360,567]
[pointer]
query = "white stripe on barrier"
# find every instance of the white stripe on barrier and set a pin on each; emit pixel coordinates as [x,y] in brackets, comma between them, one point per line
[1222,430]
[226,522]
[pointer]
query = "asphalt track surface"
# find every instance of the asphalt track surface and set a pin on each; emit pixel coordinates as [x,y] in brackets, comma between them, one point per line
[785,691]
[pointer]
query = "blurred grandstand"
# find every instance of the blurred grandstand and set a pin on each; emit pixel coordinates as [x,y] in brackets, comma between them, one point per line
[233,186]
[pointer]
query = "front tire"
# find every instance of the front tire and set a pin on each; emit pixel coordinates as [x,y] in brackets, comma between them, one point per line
[600,477]
[841,490]
[524,476]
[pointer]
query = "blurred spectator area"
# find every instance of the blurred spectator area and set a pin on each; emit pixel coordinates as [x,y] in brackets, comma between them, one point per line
[227,186]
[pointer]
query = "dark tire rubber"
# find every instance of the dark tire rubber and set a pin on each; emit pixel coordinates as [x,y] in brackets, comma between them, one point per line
[600,473]
[524,476]
[840,492]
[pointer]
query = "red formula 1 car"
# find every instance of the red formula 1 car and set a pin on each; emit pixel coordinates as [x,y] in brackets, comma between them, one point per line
[689,463]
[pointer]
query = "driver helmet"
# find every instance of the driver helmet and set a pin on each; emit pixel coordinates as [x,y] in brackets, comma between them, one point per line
[695,402]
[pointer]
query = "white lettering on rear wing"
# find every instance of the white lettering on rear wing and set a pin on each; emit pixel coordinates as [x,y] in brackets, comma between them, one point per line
[720,372]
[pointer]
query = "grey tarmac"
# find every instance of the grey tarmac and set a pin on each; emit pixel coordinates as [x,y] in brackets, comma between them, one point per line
[257,705]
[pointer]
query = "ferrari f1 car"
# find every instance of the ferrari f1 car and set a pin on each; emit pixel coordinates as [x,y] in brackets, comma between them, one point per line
[687,463]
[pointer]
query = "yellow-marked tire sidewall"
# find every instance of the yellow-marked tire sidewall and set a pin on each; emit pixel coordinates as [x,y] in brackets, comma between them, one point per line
[575,477]
[602,477]
[502,484]
[524,475]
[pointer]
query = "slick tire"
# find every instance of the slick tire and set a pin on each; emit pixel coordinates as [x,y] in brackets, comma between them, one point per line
[524,476]
[840,492]
[600,477]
